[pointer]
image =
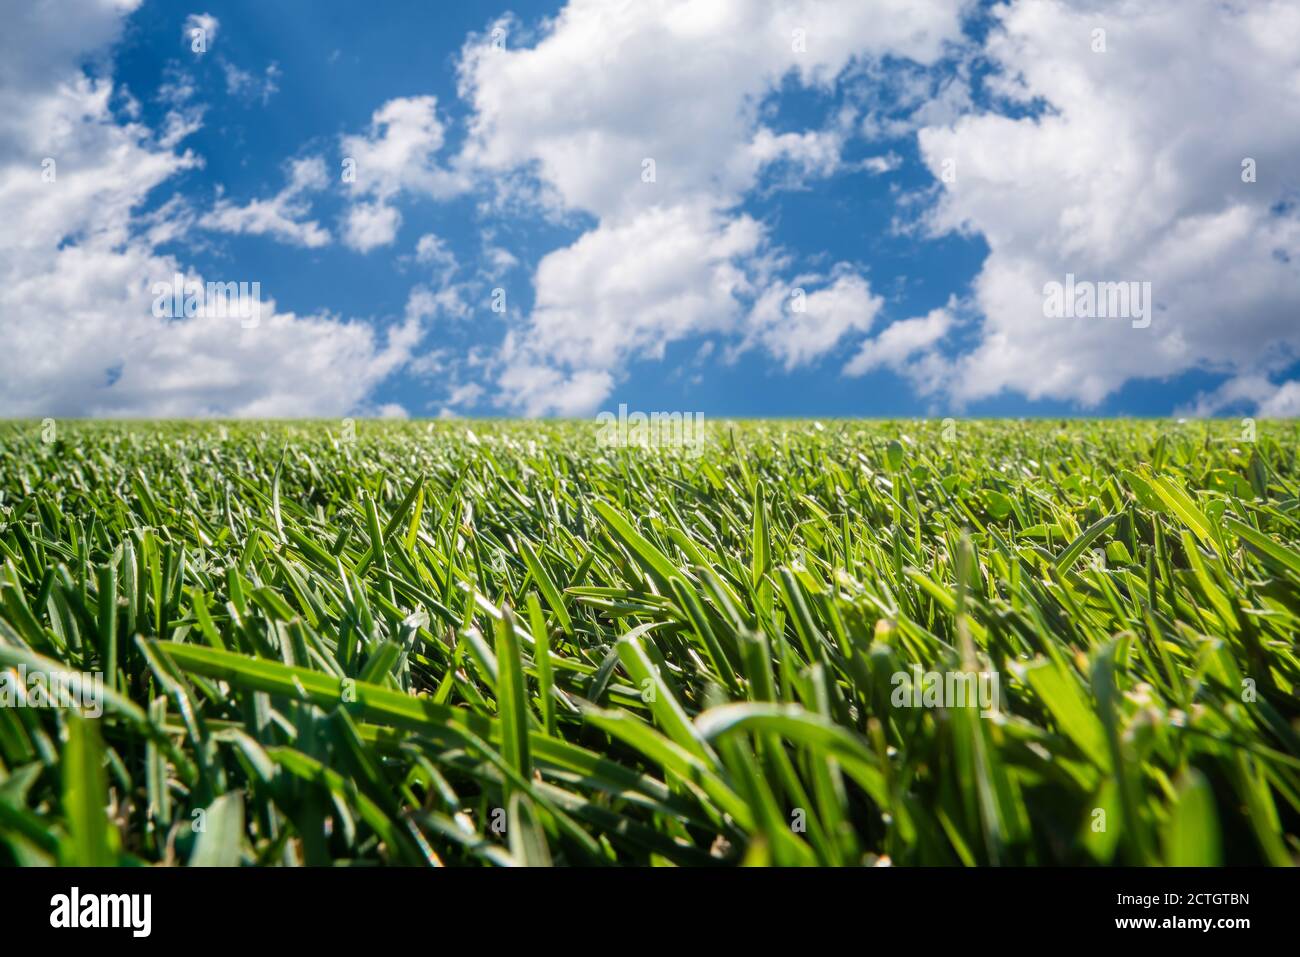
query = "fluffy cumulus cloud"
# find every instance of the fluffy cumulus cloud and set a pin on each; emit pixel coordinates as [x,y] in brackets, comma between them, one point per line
[397,154]
[79,263]
[634,285]
[798,325]
[900,343]
[1130,159]
[648,118]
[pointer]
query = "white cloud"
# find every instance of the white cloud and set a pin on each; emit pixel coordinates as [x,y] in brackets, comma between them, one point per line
[799,325]
[432,250]
[77,262]
[177,88]
[397,154]
[281,217]
[248,86]
[632,287]
[425,303]
[1283,403]
[609,87]
[612,84]
[499,259]
[39,52]
[1131,172]
[879,165]
[465,394]
[179,124]
[899,342]
[806,155]
[899,98]
[1268,399]
[367,226]
[541,390]
[620,292]
[445,297]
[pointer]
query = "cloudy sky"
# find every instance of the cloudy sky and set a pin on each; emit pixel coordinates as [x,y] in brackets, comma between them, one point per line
[735,207]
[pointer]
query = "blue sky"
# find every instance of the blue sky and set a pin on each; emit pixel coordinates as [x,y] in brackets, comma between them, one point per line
[797,147]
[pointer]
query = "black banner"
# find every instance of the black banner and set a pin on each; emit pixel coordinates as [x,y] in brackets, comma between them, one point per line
[342,906]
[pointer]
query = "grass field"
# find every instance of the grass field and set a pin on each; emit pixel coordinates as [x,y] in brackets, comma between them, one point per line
[468,643]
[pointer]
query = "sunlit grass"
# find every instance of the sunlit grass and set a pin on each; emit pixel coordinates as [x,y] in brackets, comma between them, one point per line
[501,643]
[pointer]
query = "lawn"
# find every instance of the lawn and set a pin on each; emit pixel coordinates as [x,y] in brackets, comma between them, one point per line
[798,643]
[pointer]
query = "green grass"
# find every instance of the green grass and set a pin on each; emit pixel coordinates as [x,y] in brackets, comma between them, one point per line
[501,643]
